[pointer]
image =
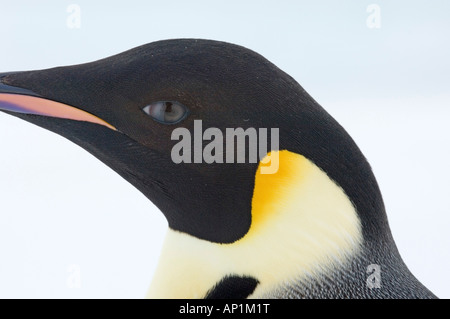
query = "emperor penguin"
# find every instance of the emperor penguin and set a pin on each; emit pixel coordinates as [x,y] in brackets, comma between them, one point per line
[303,218]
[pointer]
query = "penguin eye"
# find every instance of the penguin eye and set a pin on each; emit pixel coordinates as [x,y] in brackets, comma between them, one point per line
[166,112]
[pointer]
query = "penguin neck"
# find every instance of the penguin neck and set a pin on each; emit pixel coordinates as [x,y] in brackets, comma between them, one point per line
[303,225]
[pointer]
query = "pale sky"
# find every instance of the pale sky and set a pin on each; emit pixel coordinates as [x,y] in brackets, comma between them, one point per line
[61,209]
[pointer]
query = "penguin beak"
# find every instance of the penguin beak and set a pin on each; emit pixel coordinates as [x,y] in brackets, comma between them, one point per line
[19,100]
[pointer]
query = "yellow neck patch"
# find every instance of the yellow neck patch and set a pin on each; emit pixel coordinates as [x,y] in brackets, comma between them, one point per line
[303,224]
[273,189]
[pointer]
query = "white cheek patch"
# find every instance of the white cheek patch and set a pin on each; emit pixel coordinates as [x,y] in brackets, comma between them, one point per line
[303,225]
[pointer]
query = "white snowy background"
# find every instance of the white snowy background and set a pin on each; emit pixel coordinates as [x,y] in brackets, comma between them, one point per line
[71,228]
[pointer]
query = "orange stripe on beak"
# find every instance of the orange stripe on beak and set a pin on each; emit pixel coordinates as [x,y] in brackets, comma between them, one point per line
[39,106]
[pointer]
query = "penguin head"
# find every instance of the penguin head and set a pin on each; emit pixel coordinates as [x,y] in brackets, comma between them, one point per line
[151,113]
